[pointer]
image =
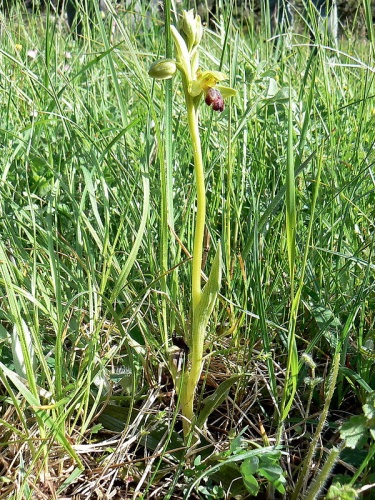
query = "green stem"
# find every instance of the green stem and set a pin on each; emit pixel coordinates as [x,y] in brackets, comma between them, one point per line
[201,202]
[191,377]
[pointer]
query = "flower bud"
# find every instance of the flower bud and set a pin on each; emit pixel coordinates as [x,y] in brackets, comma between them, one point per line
[163,70]
[190,28]
[308,360]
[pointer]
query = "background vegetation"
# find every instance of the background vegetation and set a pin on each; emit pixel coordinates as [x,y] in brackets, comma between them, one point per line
[350,12]
[96,210]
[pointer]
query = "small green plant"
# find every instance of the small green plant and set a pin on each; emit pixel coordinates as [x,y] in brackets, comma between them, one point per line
[196,83]
[238,471]
[359,434]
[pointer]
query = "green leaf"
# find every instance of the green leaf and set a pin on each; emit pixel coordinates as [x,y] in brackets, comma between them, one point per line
[41,413]
[23,349]
[271,470]
[270,87]
[251,485]
[210,471]
[70,479]
[369,411]
[236,445]
[274,474]
[153,438]
[270,459]
[114,417]
[356,377]
[324,316]
[229,476]
[282,96]
[121,280]
[291,376]
[214,400]
[250,466]
[369,407]
[355,431]
[211,290]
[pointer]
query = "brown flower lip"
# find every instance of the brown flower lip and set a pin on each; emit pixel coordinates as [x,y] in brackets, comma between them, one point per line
[214,99]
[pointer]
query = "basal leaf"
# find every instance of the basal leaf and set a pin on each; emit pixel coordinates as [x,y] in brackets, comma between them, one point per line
[251,485]
[250,466]
[275,476]
[214,400]
[211,289]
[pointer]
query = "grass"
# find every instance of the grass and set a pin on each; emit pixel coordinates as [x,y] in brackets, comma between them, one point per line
[96,210]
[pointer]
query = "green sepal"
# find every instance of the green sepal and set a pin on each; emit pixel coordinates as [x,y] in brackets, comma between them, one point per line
[183,56]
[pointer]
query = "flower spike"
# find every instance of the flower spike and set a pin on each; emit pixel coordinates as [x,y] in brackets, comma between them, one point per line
[196,81]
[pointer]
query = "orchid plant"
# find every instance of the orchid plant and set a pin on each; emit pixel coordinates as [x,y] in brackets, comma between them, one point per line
[196,83]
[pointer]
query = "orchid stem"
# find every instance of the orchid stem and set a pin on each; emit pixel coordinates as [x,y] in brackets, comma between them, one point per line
[196,83]
[198,329]
[201,202]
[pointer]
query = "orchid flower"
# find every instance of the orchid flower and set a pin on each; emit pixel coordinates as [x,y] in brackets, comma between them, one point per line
[197,82]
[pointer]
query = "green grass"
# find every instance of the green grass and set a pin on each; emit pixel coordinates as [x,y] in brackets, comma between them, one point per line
[96,214]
